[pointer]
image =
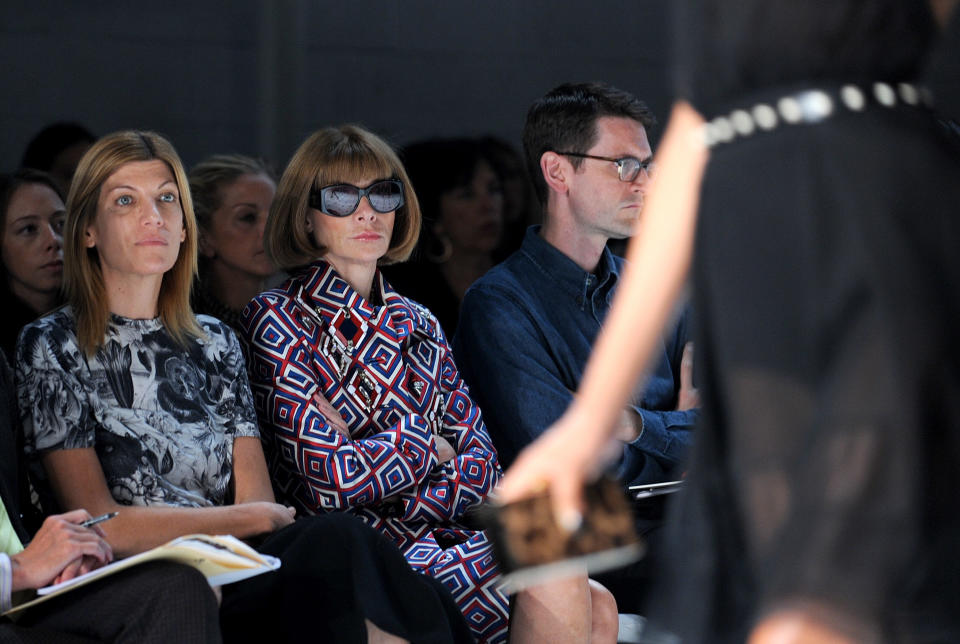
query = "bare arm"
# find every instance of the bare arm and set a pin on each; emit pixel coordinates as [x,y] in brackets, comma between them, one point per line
[250,482]
[78,482]
[659,255]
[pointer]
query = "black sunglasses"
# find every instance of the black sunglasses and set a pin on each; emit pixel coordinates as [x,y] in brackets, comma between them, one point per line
[342,199]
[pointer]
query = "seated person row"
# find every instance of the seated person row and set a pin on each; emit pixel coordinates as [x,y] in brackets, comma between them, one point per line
[134,404]
[361,405]
[527,327]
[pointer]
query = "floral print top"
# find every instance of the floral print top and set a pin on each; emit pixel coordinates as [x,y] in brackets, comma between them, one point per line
[161,417]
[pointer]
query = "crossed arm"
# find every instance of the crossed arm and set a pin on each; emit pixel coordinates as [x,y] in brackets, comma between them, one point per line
[434,477]
[470,476]
[659,257]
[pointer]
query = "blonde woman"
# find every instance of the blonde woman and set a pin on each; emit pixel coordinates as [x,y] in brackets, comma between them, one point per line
[231,194]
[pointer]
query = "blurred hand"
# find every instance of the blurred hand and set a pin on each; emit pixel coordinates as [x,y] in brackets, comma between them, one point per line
[688,396]
[60,550]
[561,462]
[77,567]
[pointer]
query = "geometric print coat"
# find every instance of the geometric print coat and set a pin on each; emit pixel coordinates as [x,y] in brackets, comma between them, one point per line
[389,371]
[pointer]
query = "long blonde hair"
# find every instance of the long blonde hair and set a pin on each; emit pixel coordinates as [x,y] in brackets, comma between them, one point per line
[83,277]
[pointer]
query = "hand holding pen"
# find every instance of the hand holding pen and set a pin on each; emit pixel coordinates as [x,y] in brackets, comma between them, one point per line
[62,549]
[89,523]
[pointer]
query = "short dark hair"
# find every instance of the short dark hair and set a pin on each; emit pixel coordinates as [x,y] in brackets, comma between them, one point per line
[437,166]
[51,141]
[565,119]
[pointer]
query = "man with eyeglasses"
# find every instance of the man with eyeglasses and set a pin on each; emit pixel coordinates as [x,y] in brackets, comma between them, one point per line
[527,327]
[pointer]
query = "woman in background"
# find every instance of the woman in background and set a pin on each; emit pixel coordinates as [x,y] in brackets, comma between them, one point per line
[462,203]
[231,197]
[31,248]
[520,206]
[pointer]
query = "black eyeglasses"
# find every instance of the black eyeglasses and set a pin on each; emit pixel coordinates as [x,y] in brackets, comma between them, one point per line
[627,167]
[342,199]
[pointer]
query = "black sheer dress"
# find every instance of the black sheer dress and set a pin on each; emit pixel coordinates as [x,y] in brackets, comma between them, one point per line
[828,291]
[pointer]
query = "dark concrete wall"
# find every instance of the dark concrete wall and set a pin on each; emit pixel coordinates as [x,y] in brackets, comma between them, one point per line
[256,76]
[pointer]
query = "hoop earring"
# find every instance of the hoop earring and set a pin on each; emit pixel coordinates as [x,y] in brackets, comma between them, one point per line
[445,251]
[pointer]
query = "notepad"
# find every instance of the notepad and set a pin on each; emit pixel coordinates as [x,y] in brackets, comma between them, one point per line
[222,559]
[655,489]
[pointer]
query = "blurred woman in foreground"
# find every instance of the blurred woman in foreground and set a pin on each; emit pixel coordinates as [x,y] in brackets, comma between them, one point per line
[820,501]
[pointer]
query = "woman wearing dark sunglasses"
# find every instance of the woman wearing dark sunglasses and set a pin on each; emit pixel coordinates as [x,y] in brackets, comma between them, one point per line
[361,406]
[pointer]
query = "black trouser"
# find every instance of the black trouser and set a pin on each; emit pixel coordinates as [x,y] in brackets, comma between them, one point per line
[157,602]
[336,573]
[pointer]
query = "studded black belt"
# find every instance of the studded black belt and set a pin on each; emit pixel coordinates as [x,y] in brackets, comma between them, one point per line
[810,106]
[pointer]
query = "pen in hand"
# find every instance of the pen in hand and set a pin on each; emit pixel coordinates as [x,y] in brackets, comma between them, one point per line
[100,519]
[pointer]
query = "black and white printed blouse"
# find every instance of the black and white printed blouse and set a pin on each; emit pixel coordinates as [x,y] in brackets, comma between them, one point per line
[161,417]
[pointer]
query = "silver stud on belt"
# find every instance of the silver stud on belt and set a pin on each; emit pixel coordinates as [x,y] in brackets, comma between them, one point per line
[808,106]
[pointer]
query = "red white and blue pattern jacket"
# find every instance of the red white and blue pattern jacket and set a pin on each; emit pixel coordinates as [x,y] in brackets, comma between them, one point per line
[389,372]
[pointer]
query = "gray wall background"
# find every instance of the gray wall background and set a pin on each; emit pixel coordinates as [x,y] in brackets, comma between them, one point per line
[256,76]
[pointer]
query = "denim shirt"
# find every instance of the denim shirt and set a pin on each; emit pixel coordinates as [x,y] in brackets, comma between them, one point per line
[526,331]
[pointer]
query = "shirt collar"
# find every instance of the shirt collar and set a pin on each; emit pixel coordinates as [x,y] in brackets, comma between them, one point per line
[563,271]
[326,292]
